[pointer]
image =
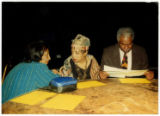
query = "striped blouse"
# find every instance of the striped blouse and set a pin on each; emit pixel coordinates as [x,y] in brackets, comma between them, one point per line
[24,78]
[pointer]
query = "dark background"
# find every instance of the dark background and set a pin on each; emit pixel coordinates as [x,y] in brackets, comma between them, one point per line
[58,23]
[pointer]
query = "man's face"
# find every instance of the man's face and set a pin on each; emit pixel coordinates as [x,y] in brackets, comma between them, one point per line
[125,43]
[78,52]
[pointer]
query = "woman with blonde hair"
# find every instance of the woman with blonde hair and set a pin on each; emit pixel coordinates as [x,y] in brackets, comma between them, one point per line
[80,64]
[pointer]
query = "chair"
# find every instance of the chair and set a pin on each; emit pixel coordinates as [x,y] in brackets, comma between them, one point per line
[4,72]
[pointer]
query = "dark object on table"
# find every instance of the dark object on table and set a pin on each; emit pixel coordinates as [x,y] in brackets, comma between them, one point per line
[62,84]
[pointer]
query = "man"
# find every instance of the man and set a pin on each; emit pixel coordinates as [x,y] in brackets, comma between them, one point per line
[125,54]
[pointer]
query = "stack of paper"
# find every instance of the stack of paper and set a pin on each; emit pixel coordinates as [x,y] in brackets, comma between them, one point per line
[117,72]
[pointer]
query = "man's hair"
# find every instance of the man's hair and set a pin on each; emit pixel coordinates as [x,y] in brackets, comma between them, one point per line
[125,31]
[81,40]
[35,50]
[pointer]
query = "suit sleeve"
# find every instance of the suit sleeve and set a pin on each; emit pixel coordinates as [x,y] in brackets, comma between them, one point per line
[145,63]
[139,58]
[104,59]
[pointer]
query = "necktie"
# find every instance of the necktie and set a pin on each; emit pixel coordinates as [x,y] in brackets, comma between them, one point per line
[124,64]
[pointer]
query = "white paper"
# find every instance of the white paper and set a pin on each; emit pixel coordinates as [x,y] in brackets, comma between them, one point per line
[118,72]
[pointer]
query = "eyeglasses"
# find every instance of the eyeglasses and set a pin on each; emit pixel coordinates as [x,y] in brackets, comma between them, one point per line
[126,44]
[78,51]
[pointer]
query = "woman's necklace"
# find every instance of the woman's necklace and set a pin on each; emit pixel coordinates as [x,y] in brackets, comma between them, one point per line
[85,71]
[86,64]
[83,76]
[83,66]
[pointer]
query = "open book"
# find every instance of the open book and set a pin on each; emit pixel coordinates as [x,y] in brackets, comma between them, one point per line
[117,72]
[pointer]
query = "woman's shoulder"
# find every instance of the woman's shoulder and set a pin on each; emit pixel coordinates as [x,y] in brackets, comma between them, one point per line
[90,56]
[29,65]
[68,59]
[30,68]
[21,67]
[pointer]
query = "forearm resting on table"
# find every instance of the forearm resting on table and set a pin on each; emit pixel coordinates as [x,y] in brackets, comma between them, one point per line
[55,71]
[61,71]
[103,74]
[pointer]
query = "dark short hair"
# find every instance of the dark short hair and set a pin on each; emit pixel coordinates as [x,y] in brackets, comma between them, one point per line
[35,50]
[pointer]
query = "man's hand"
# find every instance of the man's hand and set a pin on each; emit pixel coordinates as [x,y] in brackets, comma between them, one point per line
[149,75]
[103,75]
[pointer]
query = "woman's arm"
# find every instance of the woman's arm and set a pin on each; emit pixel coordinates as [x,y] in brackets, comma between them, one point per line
[95,68]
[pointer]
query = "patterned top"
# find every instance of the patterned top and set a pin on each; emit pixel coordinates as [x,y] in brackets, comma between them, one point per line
[79,73]
[24,78]
[68,70]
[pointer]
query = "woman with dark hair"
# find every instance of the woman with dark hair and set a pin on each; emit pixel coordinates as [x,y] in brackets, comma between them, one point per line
[29,75]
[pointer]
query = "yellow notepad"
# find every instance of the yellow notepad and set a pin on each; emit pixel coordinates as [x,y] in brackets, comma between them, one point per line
[88,84]
[63,101]
[134,80]
[33,98]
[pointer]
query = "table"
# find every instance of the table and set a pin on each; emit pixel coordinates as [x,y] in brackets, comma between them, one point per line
[112,98]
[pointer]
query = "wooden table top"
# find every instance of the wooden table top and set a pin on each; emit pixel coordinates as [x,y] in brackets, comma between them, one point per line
[112,98]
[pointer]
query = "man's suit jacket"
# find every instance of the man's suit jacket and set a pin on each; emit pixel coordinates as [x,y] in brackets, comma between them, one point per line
[111,57]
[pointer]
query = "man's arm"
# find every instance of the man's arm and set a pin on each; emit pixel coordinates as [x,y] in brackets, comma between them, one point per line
[104,59]
[103,74]
[149,74]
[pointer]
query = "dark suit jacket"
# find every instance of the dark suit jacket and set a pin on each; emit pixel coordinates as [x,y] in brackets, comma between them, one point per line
[111,57]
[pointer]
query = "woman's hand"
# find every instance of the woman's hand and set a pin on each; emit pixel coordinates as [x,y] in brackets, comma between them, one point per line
[55,71]
[103,75]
